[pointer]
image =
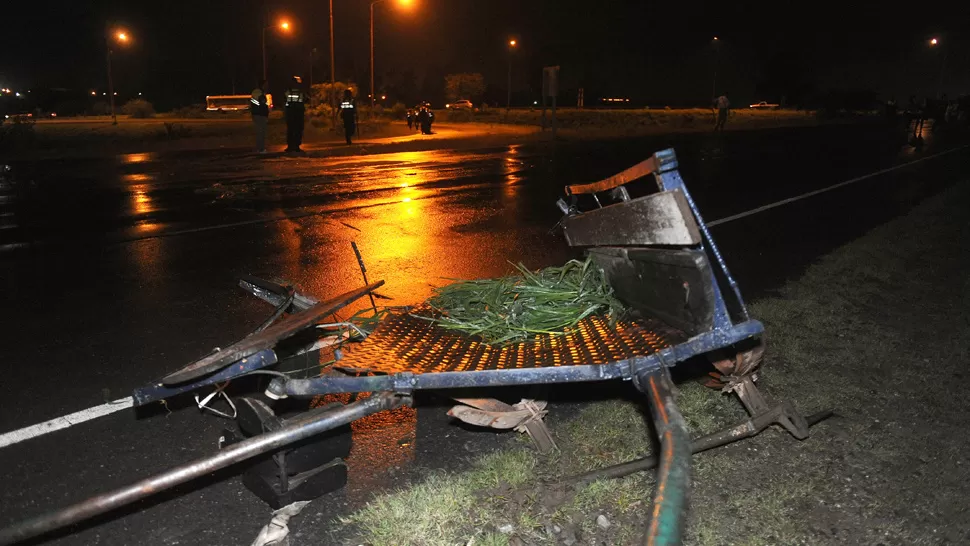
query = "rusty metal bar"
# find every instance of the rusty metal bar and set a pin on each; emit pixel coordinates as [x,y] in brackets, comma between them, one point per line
[669,507]
[311,424]
[747,429]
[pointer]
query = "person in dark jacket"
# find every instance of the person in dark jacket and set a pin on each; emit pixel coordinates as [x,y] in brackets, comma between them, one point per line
[295,111]
[348,112]
[259,109]
[426,118]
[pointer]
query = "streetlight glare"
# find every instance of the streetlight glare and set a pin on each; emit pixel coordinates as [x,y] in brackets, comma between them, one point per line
[512,43]
[285,25]
[122,36]
[405,3]
[715,38]
[934,41]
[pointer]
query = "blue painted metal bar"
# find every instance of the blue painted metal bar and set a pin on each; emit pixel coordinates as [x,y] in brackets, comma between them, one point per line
[158,391]
[624,369]
[669,179]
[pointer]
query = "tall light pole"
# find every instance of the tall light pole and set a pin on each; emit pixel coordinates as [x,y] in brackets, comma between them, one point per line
[717,58]
[283,25]
[121,37]
[508,102]
[333,80]
[403,3]
[935,42]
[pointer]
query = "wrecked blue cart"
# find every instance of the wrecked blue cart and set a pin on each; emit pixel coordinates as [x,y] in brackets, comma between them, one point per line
[640,226]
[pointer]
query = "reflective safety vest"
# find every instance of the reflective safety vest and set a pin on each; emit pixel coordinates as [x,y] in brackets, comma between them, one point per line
[347,105]
[295,96]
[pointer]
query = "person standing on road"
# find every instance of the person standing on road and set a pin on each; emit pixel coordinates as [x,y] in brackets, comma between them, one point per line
[891,111]
[348,111]
[295,111]
[917,110]
[723,105]
[259,109]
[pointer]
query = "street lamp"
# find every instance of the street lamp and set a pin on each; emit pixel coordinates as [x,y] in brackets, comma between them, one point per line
[283,25]
[403,4]
[121,37]
[933,43]
[508,103]
[717,58]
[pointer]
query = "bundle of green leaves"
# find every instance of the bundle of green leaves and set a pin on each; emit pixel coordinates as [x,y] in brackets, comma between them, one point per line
[519,307]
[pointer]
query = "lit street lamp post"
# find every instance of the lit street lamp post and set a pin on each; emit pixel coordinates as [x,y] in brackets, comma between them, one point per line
[284,26]
[508,102]
[933,43]
[373,97]
[717,58]
[121,37]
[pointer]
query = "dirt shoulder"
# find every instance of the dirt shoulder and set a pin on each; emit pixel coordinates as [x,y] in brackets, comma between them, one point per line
[879,330]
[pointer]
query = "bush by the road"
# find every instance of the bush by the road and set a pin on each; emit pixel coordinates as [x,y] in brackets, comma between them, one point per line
[398,111]
[193,111]
[139,109]
[16,132]
[624,122]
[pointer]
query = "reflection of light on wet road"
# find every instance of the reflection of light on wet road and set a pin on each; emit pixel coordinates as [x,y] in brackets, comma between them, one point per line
[136,158]
[141,207]
[382,442]
[137,178]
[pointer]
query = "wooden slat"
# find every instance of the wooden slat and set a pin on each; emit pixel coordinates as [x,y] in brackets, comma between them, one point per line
[268,337]
[658,219]
[639,170]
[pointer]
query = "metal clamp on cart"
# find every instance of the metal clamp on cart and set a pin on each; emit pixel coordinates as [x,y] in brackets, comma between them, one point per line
[640,226]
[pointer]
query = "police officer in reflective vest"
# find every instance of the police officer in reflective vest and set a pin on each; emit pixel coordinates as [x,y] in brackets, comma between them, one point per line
[295,109]
[348,111]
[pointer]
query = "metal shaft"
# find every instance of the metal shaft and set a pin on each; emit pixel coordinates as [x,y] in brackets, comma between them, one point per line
[310,425]
[744,430]
[669,507]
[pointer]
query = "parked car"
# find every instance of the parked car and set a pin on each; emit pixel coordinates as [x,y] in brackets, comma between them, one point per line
[460,105]
[764,104]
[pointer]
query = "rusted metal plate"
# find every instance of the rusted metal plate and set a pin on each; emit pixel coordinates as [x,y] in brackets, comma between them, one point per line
[657,219]
[405,343]
[267,338]
[673,285]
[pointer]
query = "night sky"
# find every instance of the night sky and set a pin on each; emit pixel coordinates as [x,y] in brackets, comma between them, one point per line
[655,53]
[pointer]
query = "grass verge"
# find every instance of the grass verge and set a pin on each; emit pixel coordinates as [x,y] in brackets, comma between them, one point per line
[878,330]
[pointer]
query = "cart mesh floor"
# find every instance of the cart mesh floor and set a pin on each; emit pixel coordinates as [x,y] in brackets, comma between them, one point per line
[404,343]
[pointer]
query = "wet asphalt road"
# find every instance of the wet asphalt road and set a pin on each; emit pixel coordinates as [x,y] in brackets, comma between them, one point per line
[117,270]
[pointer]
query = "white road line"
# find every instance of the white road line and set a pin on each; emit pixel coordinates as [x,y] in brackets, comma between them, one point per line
[59,423]
[827,189]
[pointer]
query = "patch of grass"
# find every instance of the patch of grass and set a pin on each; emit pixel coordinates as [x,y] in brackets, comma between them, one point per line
[448,509]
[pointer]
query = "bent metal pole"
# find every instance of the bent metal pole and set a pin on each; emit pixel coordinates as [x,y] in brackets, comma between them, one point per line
[313,423]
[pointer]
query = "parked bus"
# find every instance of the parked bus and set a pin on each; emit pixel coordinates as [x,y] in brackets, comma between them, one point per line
[231,103]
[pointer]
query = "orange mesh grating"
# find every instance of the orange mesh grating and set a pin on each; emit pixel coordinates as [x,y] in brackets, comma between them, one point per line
[404,343]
